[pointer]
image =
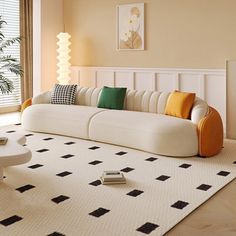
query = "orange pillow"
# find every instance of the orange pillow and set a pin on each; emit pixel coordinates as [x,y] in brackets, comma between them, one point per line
[26,104]
[179,104]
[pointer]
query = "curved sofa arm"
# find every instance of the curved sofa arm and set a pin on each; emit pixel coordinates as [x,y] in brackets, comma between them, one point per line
[25,104]
[199,110]
[210,134]
[44,97]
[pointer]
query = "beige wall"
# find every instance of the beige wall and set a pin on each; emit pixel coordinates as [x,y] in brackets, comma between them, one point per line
[51,25]
[179,33]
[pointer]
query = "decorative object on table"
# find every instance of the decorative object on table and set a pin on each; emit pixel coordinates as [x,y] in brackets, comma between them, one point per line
[63,58]
[8,63]
[3,140]
[130,26]
[112,177]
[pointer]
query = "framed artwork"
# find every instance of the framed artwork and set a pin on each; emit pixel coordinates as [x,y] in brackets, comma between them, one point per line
[130,26]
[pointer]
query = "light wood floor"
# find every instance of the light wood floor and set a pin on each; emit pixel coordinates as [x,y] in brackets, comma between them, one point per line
[216,217]
[9,118]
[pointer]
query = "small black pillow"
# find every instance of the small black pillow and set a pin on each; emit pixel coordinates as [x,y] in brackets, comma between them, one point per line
[63,94]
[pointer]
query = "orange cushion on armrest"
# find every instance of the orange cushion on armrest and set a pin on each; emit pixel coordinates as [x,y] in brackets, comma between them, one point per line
[210,134]
[26,104]
[179,104]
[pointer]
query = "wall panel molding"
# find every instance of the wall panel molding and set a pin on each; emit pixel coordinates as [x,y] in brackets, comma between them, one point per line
[208,84]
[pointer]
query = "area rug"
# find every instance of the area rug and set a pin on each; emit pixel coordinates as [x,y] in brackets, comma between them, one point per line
[59,192]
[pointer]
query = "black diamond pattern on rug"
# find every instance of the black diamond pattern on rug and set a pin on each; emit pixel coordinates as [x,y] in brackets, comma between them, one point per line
[10,220]
[59,199]
[147,228]
[204,187]
[42,150]
[25,188]
[96,183]
[56,234]
[96,162]
[64,173]
[10,131]
[180,205]
[121,153]
[69,143]
[223,173]
[151,159]
[47,139]
[234,162]
[18,124]
[94,148]
[185,166]
[99,212]
[127,169]
[163,177]
[35,166]
[135,193]
[67,156]
[28,135]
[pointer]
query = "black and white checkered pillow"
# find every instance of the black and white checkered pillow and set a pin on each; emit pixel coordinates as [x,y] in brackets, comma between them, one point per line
[63,94]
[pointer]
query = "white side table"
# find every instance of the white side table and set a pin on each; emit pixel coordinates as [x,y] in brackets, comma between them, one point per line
[13,153]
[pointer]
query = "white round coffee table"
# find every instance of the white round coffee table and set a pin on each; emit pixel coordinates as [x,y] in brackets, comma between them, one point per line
[13,152]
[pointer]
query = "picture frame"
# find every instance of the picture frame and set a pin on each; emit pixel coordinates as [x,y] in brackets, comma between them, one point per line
[130,26]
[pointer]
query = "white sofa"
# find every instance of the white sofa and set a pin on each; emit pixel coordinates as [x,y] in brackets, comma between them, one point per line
[141,125]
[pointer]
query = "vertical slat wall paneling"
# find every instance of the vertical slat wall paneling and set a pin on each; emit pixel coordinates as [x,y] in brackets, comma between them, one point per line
[105,78]
[133,74]
[209,85]
[215,89]
[176,81]
[202,86]
[189,83]
[123,79]
[114,79]
[143,81]
[75,76]
[154,81]
[165,82]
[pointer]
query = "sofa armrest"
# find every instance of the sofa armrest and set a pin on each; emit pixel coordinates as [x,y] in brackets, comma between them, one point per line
[41,98]
[200,110]
[25,104]
[210,134]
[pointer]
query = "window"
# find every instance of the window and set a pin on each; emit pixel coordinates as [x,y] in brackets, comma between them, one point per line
[10,10]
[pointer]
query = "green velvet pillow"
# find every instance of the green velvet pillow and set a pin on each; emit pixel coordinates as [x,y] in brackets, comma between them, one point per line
[112,98]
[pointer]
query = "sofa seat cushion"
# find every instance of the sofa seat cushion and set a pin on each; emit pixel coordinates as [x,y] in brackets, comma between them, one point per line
[66,120]
[155,133]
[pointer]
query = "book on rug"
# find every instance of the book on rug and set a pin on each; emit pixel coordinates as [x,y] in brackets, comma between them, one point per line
[3,140]
[112,177]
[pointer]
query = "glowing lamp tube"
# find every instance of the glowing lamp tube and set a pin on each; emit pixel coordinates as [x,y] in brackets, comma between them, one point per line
[63,58]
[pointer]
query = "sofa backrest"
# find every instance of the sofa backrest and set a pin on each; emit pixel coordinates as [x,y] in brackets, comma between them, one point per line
[143,101]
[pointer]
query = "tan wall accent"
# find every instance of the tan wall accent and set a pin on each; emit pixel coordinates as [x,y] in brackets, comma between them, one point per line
[51,25]
[179,33]
[231,100]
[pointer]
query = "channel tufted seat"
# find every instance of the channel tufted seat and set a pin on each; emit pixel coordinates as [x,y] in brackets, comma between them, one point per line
[141,125]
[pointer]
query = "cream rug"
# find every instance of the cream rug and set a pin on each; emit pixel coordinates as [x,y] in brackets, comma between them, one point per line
[59,193]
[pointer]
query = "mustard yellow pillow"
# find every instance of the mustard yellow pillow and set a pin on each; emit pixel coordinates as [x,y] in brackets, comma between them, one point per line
[179,104]
[26,104]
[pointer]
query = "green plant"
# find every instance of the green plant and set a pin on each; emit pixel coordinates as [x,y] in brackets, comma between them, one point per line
[7,62]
